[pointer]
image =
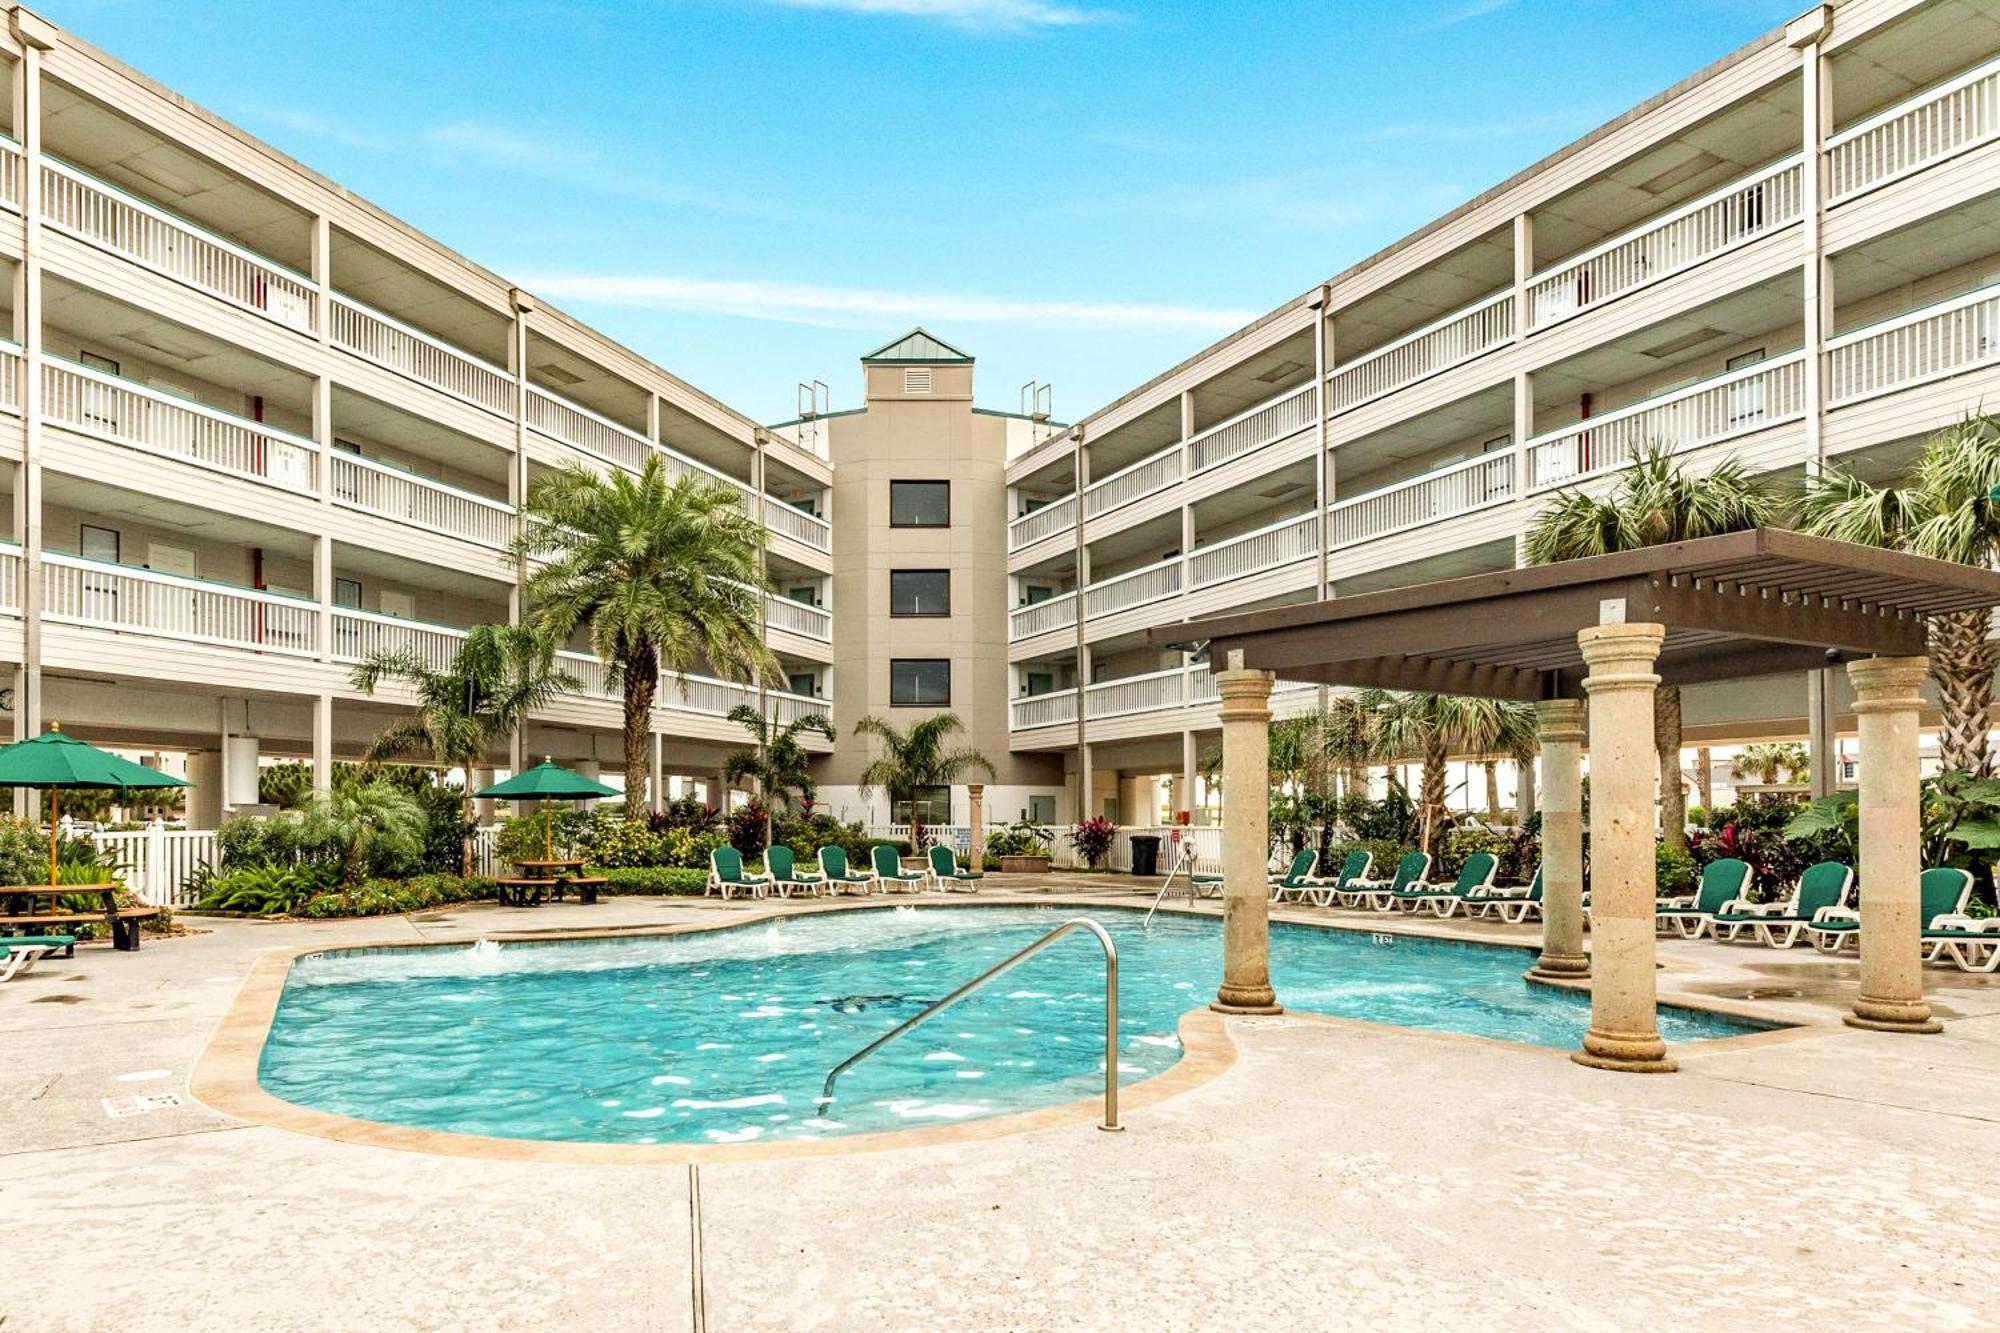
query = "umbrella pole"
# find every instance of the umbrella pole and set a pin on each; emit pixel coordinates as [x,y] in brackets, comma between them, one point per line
[548,830]
[55,811]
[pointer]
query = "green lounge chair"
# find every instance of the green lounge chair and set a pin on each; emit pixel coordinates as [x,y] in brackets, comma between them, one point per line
[726,874]
[889,866]
[1970,945]
[1297,881]
[1475,879]
[1342,888]
[1779,925]
[1512,905]
[1381,894]
[18,953]
[1723,884]
[833,869]
[1942,892]
[786,877]
[946,873]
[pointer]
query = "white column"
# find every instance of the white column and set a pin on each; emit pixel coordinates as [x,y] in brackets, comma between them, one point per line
[322,743]
[1559,728]
[1246,898]
[656,787]
[36,36]
[1892,968]
[975,795]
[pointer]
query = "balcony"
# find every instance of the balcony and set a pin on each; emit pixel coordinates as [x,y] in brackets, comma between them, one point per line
[1941,122]
[789,520]
[120,411]
[580,428]
[10,377]
[1715,410]
[1025,622]
[1725,220]
[1270,421]
[1157,691]
[1150,583]
[1927,344]
[794,617]
[404,497]
[100,214]
[1448,492]
[1148,476]
[96,595]
[1037,524]
[374,336]
[1032,710]
[1451,341]
[1273,547]
[13,168]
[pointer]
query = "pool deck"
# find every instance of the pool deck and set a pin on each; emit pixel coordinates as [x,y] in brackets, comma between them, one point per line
[1334,1175]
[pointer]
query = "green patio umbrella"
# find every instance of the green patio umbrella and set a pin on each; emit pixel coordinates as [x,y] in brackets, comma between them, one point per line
[53,760]
[547,781]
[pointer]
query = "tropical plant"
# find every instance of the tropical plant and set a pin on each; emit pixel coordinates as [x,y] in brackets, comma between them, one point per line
[1655,501]
[1960,824]
[497,676]
[1023,837]
[662,575]
[1092,840]
[1940,510]
[1433,727]
[916,760]
[379,828]
[266,890]
[779,764]
[1767,761]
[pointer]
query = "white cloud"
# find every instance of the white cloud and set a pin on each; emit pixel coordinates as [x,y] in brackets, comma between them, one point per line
[1477,9]
[501,144]
[1007,15]
[861,307]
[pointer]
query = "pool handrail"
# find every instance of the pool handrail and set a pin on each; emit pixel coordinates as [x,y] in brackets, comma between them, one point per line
[1110,1121]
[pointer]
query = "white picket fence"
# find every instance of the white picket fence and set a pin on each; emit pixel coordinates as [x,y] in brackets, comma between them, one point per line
[157,861]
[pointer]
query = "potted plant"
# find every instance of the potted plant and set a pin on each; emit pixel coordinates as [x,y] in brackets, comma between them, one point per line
[1021,848]
[1092,839]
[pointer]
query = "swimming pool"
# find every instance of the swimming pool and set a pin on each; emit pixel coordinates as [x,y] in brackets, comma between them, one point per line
[724,1036]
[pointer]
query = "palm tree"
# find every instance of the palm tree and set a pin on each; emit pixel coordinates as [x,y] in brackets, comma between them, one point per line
[1433,727]
[370,818]
[1348,729]
[1768,760]
[1940,510]
[663,575]
[914,760]
[497,677]
[1655,501]
[779,763]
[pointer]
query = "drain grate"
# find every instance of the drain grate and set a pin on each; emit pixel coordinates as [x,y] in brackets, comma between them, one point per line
[120,1107]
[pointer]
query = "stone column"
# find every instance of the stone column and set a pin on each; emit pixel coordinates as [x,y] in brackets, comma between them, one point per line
[1246,816]
[975,796]
[1624,1028]
[1892,971]
[1559,728]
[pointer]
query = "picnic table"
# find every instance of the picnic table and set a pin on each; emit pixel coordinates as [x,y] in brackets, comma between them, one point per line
[17,908]
[547,876]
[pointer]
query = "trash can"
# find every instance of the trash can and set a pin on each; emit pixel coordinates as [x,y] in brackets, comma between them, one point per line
[1145,854]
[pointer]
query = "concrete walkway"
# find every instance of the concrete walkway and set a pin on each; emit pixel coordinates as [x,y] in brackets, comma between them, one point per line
[1339,1175]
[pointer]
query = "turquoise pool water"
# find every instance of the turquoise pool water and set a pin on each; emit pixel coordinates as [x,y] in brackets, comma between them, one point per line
[726,1036]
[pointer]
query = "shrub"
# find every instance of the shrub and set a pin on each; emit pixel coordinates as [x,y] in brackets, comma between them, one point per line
[523,837]
[387,897]
[1391,819]
[1515,853]
[1092,839]
[651,880]
[609,839]
[686,812]
[267,890]
[1385,851]
[747,828]
[1674,871]
[1021,838]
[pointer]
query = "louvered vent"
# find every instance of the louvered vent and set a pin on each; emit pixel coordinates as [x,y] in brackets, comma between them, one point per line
[917,379]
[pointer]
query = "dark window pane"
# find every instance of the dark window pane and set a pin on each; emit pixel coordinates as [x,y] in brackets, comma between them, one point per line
[930,805]
[920,504]
[920,681]
[919,592]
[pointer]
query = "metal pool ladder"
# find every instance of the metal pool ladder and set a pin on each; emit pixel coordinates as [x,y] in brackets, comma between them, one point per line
[1110,1121]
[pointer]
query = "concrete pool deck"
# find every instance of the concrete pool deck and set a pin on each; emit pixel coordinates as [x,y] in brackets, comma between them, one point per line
[1335,1175]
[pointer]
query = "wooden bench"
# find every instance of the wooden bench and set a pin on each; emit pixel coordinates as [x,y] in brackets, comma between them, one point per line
[586,887]
[124,922]
[522,892]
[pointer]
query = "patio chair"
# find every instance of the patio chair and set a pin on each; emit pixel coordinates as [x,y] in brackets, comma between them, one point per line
[947,874]
[18,953]
[1969,944]
[889,867]
[1780,925]
[726,874]
[1380,894]
[1297,881]
[786,877]
[1342,887]
[1722,886]
[1512,905]
[1475,877]
[833,869]
[1942,892]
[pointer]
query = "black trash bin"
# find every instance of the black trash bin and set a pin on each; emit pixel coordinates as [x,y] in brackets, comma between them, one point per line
[1145,854]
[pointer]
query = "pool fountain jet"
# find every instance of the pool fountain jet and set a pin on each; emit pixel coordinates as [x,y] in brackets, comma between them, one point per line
[485,951]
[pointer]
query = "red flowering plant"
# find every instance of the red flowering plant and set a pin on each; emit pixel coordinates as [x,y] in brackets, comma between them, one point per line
[1092,840]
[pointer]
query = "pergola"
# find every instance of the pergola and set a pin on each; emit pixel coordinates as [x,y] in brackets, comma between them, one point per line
[1591,640]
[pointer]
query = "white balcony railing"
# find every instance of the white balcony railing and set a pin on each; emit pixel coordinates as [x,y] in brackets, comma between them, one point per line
[1044,710]
[1031,527]
[1025,622]
[1451,341]
[10,578]
[117,597]
[1140,586]
[369,486]
[1448,492]
[1281,543]
[1138,694]
[374,336]
[1927,344]
[105,216]
[359,635]
[1270,421]
[814,622]
[788,520]
[1766,394]
[11,364]
[1148,476]
[13,170]
[1725,220]
[106,407]
[1935,124]
[580,428]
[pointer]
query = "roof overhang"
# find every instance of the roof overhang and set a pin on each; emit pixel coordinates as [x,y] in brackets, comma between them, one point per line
[1743,604]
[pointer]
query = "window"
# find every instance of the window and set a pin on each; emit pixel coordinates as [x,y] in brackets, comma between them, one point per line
[1042,809]
[919,592]
[929,805]
[803,682]
[95,543]
[919,682]
[1746,396]
[347,593]
[1041,682]
[919,504]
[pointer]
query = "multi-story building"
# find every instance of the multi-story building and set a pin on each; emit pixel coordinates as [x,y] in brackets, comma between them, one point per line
[1790,258]
[254,428]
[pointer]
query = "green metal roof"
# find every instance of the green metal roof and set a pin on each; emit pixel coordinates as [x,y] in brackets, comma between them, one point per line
[917,347]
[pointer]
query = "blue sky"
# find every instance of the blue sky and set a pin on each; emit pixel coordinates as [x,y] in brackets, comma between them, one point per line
[754,192]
